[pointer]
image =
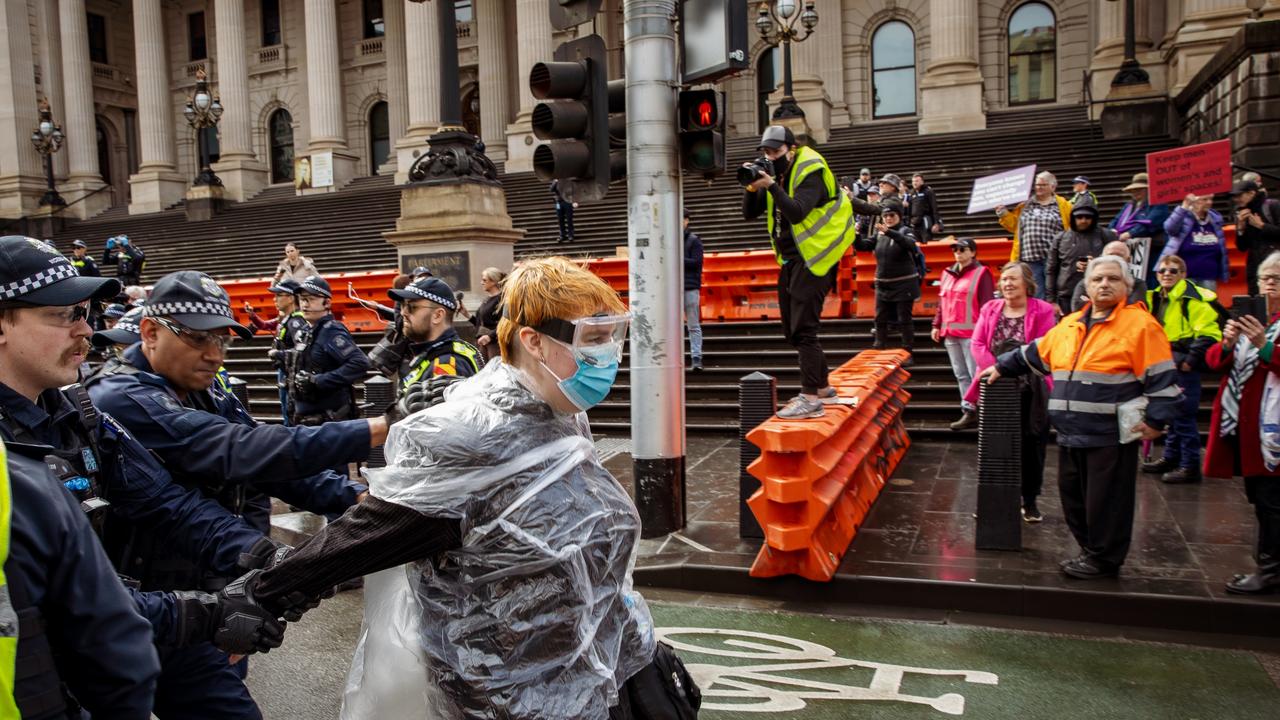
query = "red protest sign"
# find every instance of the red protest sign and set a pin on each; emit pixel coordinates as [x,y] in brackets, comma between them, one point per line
[1202,169]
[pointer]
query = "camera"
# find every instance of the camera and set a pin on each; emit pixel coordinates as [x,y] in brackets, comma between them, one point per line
[748,175]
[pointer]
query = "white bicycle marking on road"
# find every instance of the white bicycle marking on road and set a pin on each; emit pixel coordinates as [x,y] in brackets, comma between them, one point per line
[785,655]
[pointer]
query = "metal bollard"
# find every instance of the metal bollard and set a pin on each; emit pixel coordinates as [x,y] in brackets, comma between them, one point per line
[379,393]
[240,389]
[757,402]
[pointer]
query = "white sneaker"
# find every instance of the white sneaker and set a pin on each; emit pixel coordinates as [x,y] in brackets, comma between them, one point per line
[801,407]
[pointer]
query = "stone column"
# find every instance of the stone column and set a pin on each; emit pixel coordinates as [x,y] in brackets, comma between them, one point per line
[1207,25]
[534,44]
[243,175]
[50,59]
[393,43]
[324,92]
[78,121]
[422,46]
[22,173]
[817,83]
[951,88]
[494,109]
[157,184]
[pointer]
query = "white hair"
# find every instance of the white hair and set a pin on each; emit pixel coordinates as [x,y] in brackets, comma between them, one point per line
[1270,262]
[1110,260]
[1049,178]
[135,292]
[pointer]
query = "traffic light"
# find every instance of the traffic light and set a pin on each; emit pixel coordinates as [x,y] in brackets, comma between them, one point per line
[570,13]
[702,125]
[576,120]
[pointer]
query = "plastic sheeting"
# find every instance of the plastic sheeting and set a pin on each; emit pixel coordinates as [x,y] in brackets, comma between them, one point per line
[535,615]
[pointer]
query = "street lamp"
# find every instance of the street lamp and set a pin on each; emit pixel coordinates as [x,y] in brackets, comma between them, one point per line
[202,111]
[47,137]
[1131,72]
[776,24]
[454,155]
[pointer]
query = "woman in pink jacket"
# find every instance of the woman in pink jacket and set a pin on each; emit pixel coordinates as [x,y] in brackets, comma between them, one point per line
[1008,322]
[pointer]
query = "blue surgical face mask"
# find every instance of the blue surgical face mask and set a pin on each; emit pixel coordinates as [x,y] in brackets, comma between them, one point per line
[590,384]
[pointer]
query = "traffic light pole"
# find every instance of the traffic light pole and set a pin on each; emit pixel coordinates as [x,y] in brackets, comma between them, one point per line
[656,245]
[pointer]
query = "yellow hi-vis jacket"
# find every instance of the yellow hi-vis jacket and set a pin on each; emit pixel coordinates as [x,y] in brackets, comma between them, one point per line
[8,614]
[828,230]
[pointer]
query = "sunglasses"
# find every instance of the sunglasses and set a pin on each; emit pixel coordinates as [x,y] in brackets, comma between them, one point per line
[1168,271]
[197,339]
[961,248]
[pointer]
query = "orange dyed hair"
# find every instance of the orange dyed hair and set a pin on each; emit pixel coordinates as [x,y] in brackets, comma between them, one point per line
[550,287]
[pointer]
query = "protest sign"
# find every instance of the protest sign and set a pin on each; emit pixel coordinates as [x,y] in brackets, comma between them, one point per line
[1202,169]
[1139,258]
[1007,188]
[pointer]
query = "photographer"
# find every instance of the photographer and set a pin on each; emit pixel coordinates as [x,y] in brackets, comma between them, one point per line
[810,225]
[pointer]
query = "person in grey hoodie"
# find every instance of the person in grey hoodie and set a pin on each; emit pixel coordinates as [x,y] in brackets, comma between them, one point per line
[1071,250]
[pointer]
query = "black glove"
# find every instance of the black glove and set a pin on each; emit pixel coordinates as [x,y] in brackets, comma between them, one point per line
[424,395]
[304,386]
[232,620]
[262,555]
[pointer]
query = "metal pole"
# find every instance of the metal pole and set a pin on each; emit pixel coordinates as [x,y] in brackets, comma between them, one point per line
[655,242]
[450,102]
[1130,43]
[786,69]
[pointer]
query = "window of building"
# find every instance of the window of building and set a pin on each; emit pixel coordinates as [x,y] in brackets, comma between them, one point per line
[280,128]
[270,23]
[463,11]
[893,70]
[768,77]
[198,48]
[1032,46]
[97,38]
[379,136]
[374,24]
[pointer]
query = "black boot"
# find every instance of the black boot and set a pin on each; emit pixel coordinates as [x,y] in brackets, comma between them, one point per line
[1181,476]
[1159,467]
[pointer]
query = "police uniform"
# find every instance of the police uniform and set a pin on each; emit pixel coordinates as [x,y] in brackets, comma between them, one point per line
[442,359]
[59,578]
[289,328]
[85,266]
[129,259]
[117,481]
[327,365]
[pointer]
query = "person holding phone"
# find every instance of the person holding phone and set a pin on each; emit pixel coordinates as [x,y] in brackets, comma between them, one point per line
[1243,437]
[1194,232]
[1257,227]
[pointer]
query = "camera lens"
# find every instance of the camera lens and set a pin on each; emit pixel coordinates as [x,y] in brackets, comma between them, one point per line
[746,175]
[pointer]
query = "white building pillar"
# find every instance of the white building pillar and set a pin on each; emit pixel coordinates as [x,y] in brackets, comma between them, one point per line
[84,178]
[50,59]
[21,171]
[422,46]
[951,88]
[533,44]
[157,184]
[393,43]
[324,92]
[243,175]
[494,108]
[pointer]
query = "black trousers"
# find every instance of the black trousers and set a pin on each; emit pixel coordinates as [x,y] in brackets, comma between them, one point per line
[1033,448]
[898,314]
[1264,493]
[800,298]
[1098,487]
[564,216]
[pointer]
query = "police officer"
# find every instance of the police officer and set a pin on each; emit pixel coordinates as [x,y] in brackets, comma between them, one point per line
[128,259]
[327,362]
[288,327]
[43,339]
[164,391]
[81,260]
[438,357]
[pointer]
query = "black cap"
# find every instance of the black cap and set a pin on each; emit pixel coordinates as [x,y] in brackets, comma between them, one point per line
[421,270]
[965,242]
[892,205]
[33,272]
[193,300]
[78,243]
[287,286]
[315,285]
[126,332]
[775,136]
[428,288]
[1244,186]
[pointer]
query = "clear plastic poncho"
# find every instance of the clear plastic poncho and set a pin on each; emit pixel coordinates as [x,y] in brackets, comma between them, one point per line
[535,615]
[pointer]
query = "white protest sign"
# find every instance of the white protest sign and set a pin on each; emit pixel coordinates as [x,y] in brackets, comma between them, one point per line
[1006,188]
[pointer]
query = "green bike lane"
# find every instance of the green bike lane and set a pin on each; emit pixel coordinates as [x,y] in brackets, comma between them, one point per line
[758,664]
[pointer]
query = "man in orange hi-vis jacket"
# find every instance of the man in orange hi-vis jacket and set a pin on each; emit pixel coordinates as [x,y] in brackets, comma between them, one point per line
[1106,360]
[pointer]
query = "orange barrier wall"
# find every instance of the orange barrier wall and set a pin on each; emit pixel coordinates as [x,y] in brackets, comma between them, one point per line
[370,286]
[820,476]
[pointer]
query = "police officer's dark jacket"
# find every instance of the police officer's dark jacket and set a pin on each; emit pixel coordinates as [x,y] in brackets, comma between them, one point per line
[78,625]
[337,363]
[211,442]
[446,355]
[291,326]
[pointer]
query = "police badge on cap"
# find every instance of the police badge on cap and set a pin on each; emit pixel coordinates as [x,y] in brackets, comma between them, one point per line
[194,300]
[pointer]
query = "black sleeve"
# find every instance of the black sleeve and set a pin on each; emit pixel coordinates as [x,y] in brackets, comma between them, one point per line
[902,236]
[809,194]
[372,536]
[934,216]
[862,207]
[752,205]
[865,243]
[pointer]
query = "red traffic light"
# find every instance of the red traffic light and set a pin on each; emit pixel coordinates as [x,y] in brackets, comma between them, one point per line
[702,116]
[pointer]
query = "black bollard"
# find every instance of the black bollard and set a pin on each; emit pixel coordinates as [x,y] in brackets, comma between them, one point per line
[240,389]
[379,393]
[757,402]
[1000,425]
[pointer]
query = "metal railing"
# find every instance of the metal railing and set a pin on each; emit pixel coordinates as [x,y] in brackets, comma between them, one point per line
[22,225]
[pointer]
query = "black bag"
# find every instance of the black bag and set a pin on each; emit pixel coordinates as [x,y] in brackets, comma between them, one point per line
[663,690]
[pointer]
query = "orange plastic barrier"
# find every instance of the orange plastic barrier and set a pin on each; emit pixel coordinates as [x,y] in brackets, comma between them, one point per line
[820,476]
[370,286]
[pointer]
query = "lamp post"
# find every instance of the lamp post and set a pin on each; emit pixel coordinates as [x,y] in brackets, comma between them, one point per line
[453,156]
[47,137]
[1131,72]
[776,23]
[202,112]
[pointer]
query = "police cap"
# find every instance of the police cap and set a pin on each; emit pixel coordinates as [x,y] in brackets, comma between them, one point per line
[315,285]
[33,272]
[193,300]
[126,332]
[427,288]
[287,286]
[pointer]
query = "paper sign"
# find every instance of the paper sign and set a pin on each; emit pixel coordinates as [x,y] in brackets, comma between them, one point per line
[1139,257]
[322,170]
[1202,169]
[1007,188]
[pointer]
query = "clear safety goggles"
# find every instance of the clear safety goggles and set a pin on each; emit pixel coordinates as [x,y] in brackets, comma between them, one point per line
[596,340]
